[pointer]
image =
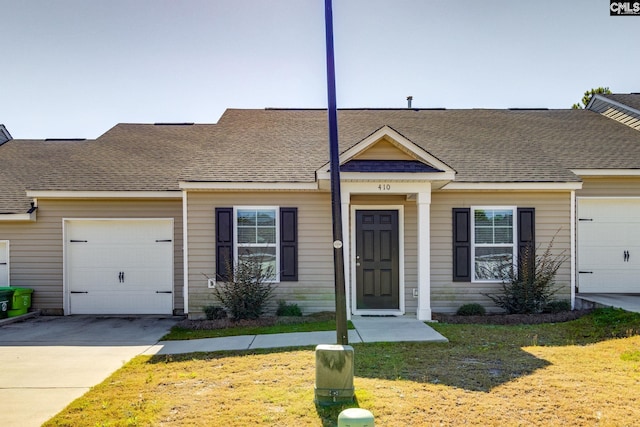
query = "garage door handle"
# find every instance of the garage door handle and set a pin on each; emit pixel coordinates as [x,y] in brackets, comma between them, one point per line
[121,277]
[79,292]
[627,255]
[164,292]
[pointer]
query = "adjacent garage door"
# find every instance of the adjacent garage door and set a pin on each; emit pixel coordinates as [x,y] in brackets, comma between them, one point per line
[4,263]
[119,266]
[609,245]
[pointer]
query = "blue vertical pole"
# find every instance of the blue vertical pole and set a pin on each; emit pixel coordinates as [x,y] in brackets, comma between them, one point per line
[336,202]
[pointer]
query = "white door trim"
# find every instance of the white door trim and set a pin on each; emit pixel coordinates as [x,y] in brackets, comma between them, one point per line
[352,260]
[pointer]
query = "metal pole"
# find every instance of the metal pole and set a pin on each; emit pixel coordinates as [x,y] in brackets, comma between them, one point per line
[336,202]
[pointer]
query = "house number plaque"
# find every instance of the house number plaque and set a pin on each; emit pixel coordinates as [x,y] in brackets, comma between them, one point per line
[384,187]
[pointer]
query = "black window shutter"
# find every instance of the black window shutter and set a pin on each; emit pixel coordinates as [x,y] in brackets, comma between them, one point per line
[224,242]
[461,245]
[526,238]
[288,244]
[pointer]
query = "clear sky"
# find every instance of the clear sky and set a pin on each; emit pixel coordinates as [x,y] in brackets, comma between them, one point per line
[75,68]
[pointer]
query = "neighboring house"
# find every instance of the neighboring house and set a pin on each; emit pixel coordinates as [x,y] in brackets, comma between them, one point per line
[4,135]
[142,219]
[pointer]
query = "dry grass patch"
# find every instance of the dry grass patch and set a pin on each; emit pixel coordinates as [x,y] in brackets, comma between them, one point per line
[585,372]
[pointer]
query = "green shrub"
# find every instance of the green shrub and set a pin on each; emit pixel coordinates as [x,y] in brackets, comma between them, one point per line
[471,310]
[214,313]
[528,287]
[248,290]
[285,309]
[557,306]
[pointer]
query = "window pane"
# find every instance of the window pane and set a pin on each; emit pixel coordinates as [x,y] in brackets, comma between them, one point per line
[266,218]
[265,256]
[503,235]
[484,235]
[267,235]
[492,263]
[246,235]
[481,218]
[503,218]
[246,218]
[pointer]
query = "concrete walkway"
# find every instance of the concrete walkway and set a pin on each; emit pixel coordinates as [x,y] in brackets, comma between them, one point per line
[368,330]
[48,362]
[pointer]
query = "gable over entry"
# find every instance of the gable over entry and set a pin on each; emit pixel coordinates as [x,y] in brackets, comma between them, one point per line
[374,173]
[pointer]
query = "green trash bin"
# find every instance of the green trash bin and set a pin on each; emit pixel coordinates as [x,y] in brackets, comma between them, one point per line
[19,300]
[5,302]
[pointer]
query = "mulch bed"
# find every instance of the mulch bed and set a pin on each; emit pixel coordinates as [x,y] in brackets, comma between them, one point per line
[512,319]
[488,319]
[263,321]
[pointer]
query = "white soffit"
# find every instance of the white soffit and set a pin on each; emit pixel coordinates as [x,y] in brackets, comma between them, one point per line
[607,172]
[514,186]
[47,194]
[239,186]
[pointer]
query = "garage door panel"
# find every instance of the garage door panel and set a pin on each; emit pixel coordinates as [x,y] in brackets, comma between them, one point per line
[609,245]
[111,261]
[110,303]
[610,256]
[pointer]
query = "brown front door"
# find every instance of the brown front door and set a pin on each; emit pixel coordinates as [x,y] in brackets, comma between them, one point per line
[377,260]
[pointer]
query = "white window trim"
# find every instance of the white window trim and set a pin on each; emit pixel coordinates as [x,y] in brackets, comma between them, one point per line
[514,243]
[8,261]
[276,209]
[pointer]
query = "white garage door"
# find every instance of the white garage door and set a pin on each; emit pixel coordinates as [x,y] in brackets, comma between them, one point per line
[609,245]
[119,266]
[4,263]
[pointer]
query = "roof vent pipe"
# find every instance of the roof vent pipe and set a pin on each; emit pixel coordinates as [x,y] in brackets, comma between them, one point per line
[409,99]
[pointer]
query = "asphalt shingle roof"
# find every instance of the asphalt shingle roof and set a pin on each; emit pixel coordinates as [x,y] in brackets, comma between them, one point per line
[290,145]
[630,99]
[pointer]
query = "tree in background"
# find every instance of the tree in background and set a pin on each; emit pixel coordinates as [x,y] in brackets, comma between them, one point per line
[588,95]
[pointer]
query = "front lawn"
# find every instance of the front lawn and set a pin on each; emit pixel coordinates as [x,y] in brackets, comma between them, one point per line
[583,372]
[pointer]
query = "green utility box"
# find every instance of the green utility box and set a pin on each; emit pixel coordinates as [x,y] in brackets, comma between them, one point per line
[20,302]
[5,302]
[334,374]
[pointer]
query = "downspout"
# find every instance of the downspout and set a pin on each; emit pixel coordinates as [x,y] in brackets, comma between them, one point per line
[573,249]
[185,254]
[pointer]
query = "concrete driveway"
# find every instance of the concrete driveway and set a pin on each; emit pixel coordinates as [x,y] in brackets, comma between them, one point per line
[47,362]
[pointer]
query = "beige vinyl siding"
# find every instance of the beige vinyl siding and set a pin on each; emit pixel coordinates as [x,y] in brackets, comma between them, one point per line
[383,150]
[553,215]
[314,290]
[610,187]
[37,247]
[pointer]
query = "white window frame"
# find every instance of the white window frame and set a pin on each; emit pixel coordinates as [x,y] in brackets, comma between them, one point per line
[514,243]
[6,242]
[236,245]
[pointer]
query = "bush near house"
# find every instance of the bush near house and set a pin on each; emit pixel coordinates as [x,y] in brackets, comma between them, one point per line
[290,310]
[247,290]
[528,286]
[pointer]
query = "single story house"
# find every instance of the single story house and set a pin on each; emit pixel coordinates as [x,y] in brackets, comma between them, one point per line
[141,219]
